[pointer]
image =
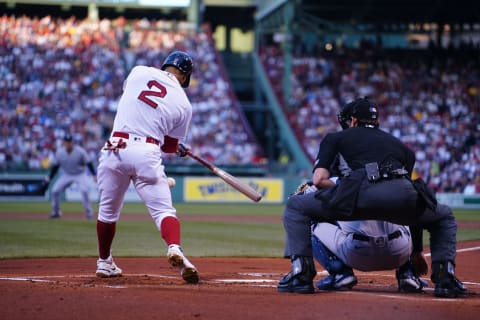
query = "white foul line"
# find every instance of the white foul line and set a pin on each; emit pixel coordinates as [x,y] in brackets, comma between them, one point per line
[459,250]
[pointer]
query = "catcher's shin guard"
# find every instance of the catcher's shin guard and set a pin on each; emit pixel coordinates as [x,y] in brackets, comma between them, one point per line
[300,279]
[446,283]
[327,259]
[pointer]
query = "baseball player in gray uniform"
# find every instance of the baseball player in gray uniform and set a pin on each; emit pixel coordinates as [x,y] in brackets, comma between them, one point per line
[71,160]
[367,245]
[153,115]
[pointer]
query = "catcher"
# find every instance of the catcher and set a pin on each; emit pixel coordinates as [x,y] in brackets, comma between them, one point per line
[368,245]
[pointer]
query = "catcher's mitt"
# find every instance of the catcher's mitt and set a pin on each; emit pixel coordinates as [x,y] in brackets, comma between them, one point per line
[304,188]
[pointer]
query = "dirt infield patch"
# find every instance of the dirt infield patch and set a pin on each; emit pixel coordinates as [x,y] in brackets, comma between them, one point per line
[230,288]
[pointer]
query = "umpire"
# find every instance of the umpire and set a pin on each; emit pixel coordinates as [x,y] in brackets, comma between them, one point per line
[378,188]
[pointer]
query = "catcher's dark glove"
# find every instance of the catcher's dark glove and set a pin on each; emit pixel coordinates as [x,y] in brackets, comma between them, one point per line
[182,150]
[45,185]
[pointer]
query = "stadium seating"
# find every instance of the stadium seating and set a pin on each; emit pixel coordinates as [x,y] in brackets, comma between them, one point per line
[432,104]
[59,75]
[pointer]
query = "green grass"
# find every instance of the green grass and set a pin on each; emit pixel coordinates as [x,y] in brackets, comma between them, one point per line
[21,238]
[246,209]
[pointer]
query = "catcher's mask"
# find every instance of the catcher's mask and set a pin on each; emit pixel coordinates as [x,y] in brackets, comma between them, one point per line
[364,110]
[182,61]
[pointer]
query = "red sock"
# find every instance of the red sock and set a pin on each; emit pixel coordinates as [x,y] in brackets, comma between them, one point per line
[105,234]
[170,230]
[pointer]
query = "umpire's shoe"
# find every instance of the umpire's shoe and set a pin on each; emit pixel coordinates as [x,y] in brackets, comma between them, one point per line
[300,279]
[446,284]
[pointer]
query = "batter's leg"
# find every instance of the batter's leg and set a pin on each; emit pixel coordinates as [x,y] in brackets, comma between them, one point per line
[112,185]
[157,197]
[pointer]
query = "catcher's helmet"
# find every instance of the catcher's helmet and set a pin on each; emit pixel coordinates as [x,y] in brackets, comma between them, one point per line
[363,109]
[182,61]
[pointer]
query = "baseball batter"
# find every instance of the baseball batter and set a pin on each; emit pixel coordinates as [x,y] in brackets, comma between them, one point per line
[72,161]
[153,114]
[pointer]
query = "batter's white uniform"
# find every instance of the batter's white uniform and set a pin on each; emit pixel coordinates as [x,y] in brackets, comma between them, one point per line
[367,245]
[153,105]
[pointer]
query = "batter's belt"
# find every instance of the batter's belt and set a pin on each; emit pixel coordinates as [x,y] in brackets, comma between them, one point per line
[125,135]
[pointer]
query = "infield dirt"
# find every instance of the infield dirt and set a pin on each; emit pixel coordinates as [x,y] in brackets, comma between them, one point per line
[230,288]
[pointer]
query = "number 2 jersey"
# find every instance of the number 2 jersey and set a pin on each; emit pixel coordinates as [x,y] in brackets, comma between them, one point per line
[153,104]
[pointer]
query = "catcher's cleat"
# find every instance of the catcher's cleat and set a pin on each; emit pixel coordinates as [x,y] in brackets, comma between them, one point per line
[408,282]
[446,283]
[337,282]
[177,259]
[106,268]
[300,279]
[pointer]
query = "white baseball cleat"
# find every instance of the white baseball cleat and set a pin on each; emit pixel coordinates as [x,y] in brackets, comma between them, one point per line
[177,259]
[106,268]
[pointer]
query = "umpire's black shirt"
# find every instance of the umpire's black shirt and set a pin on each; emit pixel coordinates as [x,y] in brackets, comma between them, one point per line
[362,145]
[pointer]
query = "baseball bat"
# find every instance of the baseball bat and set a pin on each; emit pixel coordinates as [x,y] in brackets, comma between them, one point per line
[228,178]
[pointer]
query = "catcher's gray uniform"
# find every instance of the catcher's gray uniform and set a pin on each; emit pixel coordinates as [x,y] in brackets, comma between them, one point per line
[72,161]
[366,245]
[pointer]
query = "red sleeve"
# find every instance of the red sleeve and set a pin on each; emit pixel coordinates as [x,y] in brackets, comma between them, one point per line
[170,145]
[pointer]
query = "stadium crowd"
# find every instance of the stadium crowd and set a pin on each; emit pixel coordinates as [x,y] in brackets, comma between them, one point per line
[429,101]
[66,75]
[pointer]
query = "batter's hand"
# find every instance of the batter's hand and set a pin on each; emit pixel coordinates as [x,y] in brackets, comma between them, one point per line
[182,150]
[419,264]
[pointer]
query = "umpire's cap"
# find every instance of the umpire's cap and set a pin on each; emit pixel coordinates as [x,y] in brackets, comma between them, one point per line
[363,109]
[182,61]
